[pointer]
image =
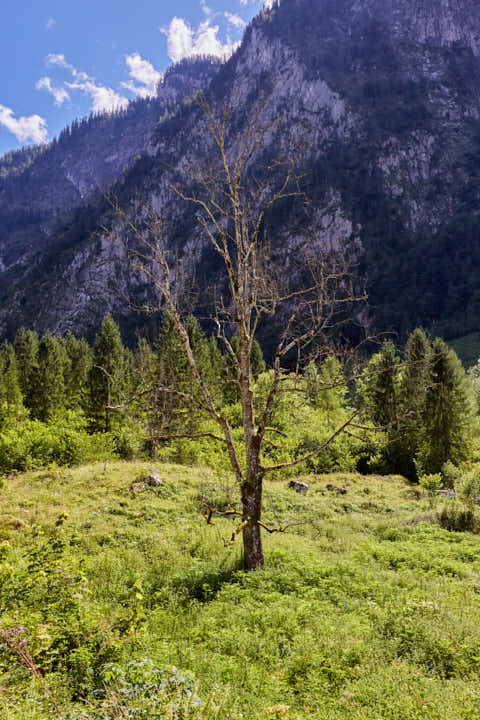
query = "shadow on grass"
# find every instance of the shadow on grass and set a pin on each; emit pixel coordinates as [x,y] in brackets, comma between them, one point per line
[203,584]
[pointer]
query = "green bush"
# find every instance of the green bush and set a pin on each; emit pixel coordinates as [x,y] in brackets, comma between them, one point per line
[31,444]
[49,585]
[450,474]
[457,519]
[467,488]
[431,484]
[145,692]
[128,441]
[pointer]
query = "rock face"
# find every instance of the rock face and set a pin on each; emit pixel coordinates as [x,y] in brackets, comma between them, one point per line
[384,96]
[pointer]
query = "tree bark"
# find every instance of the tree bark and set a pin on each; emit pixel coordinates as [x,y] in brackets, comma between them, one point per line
[252,533]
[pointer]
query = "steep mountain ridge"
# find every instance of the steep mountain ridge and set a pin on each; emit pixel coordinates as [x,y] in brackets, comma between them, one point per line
[386,95]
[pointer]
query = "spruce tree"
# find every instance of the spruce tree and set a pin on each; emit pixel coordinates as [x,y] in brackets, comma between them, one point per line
[448,413]
[79,363]
[178,409]
[106,377]
[379,387]
[26,353]
[148,408]
[10,393]
[47,385]
[414,384]
[380,397]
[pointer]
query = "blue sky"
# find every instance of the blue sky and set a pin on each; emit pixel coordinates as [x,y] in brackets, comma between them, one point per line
[62,59]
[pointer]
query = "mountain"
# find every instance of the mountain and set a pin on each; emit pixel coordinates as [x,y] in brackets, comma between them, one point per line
[384,96]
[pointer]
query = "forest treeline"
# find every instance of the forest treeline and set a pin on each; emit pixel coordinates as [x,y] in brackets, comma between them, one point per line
[65,401]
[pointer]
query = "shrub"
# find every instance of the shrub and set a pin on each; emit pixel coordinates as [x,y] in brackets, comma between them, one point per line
[450,474]
[128,441]
[467,488]
[31,444]
[49,584]
[457,519]
[145,692]
[431,484]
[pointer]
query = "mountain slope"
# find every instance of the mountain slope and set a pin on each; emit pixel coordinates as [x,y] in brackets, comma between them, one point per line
[385,95]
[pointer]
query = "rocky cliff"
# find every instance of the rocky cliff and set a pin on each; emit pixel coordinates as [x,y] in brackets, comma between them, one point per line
[384,96]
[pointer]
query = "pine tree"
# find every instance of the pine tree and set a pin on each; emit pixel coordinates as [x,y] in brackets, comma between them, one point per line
[449,411]
[379,394]
[10,393]
[26,353]
[47,385]
[148,407]
[379,387]
[79,363]
[414,384]
[106,378]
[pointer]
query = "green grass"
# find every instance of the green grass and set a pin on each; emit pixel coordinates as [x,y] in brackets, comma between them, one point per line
[366,609]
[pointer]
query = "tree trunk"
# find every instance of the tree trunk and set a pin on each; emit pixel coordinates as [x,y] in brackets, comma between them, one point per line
[252,533]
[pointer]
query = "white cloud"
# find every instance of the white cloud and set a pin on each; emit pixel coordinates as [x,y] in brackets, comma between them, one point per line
[104,99]
[57,59]
[144,76]
[207,10]
[184,41]
[236,20]
[60,95]
[50,24]
[266,4]
[26,129]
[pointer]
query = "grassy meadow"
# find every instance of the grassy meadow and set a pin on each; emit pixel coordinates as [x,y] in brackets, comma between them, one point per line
[133,607]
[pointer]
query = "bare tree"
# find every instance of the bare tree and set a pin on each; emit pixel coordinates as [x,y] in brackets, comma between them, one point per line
[234,192]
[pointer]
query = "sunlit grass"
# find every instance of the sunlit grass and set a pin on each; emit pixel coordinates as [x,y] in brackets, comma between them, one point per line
[366,609]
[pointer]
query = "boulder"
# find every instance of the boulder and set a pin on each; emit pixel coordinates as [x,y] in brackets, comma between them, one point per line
[154,479]
[299,487]
[335,489]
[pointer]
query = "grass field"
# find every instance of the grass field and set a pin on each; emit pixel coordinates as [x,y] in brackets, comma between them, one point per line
[366,610]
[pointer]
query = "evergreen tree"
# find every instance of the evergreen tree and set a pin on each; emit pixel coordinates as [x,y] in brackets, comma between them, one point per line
[448,413]
[380,396]
[148,408]
[26,353]
[171,371]
[379,387]
[47,386]
[10,393]
[414,384]
[106,377]
[173,406]
[77,368]
[416,372]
